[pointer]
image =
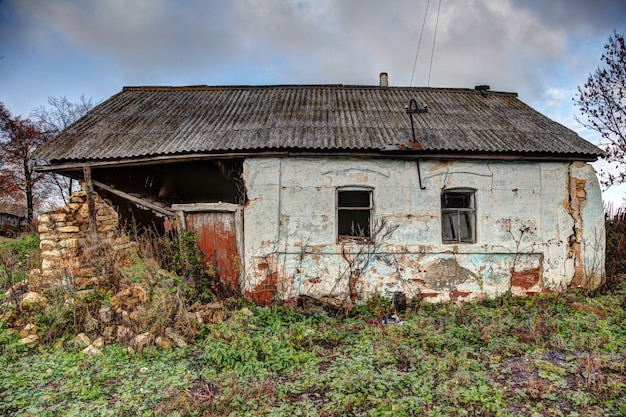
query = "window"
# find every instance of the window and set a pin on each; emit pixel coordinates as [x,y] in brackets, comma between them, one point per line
[354,214]
[458,216]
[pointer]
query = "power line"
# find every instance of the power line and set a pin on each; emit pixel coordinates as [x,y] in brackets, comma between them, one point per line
[419,44]
[434,39]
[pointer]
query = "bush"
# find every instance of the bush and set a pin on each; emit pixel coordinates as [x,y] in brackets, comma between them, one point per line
[615,222]
[177,251]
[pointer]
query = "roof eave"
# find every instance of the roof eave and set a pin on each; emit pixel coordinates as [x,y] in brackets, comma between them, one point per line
[55,166]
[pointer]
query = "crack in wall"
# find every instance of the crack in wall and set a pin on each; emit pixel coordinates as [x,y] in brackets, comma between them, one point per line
[576,195]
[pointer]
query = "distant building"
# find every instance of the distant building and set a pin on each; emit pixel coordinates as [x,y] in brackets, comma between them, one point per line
[11,223]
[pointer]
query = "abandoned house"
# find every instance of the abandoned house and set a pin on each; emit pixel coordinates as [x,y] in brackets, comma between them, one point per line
[337,192]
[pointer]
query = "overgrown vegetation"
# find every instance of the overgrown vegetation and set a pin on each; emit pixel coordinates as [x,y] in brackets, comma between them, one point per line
[177,252]
[17,257]
[545,355]
[130,291]
[549,355]
[615,246]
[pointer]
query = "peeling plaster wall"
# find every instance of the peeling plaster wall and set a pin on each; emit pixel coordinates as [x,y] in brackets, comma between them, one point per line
[528,222]
[589,234]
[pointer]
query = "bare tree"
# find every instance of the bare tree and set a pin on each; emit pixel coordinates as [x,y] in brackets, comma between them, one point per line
[61,112]
[602,102]
[55,118]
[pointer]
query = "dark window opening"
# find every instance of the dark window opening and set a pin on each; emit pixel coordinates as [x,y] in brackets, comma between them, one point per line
[458,216]
[354,214]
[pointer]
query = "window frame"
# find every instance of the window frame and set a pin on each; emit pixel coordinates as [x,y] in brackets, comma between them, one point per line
[343,238]
[459,211]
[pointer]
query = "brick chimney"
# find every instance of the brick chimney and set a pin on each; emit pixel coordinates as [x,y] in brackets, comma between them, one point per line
[384,79]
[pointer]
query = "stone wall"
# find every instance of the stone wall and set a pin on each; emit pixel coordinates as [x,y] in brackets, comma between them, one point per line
[70,254]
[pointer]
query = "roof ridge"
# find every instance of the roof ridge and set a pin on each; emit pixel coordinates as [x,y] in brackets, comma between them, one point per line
[204,87]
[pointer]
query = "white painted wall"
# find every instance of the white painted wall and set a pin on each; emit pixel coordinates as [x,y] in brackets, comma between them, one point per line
[290,227]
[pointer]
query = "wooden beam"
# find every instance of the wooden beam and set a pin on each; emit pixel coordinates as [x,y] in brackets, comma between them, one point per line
[220,207]
[136,200]
[91,204]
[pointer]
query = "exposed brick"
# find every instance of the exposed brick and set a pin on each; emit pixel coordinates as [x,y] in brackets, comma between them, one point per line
[525,279]
[428,294]
[455,295]
[264,292]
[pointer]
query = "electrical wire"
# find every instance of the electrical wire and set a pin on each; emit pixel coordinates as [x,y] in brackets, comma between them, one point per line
[432,54]
[419,44]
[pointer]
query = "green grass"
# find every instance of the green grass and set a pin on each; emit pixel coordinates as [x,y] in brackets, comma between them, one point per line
[17,257]
[547,355]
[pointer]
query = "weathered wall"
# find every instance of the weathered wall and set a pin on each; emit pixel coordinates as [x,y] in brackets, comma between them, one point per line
[539,225]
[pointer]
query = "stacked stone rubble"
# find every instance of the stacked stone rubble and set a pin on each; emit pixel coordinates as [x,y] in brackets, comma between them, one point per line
[67,246]
[93,266]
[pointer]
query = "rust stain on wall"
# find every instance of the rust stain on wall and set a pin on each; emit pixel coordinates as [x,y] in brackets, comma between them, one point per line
[439,165]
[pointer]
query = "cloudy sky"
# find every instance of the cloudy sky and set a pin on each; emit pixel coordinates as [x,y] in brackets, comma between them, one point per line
[541,49]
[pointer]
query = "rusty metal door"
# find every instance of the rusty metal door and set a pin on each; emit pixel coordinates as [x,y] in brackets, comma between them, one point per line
[217,240]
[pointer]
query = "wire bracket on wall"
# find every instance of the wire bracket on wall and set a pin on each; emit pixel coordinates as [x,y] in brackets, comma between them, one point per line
[414,108]
[411,109]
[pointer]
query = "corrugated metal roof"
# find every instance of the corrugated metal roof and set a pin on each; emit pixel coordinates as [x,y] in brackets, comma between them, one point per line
[160,121]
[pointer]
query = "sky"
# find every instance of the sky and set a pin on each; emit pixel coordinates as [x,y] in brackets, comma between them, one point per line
[540,49]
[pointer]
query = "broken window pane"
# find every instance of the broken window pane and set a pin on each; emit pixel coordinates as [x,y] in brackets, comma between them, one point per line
[353,199]
[354,223]
[354,212]
[455,199]
[458,217]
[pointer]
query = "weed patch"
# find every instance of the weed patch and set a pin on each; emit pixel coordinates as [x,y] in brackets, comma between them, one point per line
[488,358]
[17,257]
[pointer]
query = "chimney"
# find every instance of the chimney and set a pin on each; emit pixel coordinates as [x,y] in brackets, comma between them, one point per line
[482,89]
[384,79]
